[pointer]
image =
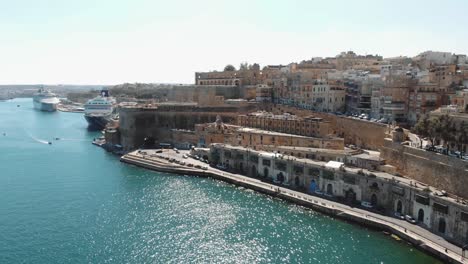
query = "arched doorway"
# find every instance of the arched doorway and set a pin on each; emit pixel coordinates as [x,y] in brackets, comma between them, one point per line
[280,177]
[253,171]
[241,168]
[373,200]
[399,207]
[312,186]
[265,172]
[421,215]
[350,196]
[296,181]
[442,225]
[330,189]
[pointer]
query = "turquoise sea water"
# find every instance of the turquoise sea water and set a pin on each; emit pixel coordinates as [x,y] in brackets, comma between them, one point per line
[71,202]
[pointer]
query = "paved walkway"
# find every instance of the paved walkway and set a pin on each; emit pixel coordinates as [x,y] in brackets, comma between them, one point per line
[432,240]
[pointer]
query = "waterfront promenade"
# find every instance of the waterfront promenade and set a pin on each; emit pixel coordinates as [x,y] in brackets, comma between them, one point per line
[416,235]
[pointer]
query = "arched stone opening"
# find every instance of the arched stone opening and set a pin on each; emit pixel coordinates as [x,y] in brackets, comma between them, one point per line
[280,177]
[253,171]
[330,189]
[312,186]
[350,196]
[421,215]
[399,207]
[373,200]
[296,181]
[442,225]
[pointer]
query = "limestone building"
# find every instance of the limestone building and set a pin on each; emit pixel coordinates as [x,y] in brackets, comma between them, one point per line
[286,123]
[389,194]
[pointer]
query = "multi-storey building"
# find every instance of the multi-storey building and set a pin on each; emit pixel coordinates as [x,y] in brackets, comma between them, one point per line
[350,60]
[424,98]
[446,75]
[318,95]
[252,75]
[264,93]
[394,98]
[286,123]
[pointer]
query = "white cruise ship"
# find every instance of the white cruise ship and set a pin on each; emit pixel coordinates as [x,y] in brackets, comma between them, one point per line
[100,110]
[45,100]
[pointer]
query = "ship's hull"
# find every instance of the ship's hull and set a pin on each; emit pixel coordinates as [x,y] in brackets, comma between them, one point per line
[45,106]
[97,122]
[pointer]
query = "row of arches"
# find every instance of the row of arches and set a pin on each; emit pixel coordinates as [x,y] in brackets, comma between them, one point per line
[350,197]
[219,82]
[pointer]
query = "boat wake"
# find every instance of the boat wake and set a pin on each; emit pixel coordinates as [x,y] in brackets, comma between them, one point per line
[71,139]
[39,140]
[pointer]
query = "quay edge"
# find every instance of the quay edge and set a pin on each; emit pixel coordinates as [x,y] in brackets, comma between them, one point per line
[370,220]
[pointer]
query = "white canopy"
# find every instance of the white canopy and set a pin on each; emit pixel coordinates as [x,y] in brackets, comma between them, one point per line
[334,164]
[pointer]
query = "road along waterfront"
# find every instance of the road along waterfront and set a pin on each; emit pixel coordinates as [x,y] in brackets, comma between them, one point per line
[417,236]
[71,202]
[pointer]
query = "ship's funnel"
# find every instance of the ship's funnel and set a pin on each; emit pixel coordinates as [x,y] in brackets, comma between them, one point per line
[105,93]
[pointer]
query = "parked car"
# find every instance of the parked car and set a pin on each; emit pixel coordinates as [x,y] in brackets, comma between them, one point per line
[204,167]
[221,167]
[185,156]
[399,216]
[429,148]
[410,219]
[366,205]
[190,165]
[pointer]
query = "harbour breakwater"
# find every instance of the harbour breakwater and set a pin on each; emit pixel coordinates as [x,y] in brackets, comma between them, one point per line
[416,236]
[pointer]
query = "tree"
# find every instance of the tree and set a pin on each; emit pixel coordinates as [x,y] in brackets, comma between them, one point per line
[244,66]
[446,130]
[428,127]
[422,127]
[229,67]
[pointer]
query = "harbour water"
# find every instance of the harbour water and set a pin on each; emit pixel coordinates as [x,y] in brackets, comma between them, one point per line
[71,202]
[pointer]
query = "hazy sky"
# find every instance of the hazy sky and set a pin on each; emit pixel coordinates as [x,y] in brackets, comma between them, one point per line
[116,41]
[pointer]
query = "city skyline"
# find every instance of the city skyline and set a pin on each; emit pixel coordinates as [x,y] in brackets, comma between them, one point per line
[71,42]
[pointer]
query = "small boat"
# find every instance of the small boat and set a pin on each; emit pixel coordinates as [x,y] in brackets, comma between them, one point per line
[17,105]
[50,143]
[395,237]
[57,138]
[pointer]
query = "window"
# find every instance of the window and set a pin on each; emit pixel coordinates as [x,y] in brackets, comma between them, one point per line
[440,208]
[280,165]
[298,169]
[422,199]
[266,162]
[314,172]
[349,179]
[328,175]
[254,158]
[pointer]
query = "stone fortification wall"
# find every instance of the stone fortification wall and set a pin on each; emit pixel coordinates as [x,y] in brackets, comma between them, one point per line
[138,123]
[362,133]
[441,171]
[203,94]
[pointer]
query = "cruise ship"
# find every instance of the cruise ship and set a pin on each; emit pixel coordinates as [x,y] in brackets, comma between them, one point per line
[100,110]
[45,100]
